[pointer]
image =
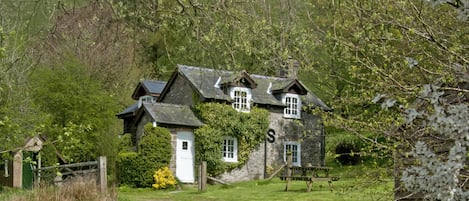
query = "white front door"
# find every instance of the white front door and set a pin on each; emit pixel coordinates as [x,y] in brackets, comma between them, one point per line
[185,157]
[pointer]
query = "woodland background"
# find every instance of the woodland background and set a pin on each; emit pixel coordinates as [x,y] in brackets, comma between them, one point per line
[68,66]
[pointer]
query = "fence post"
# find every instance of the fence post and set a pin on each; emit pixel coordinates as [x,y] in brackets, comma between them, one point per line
[102,174]
[203,177]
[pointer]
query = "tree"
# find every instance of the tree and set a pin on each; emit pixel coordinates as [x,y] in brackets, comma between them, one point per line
[80,112]
[389,53]
[18,116]
[267,33]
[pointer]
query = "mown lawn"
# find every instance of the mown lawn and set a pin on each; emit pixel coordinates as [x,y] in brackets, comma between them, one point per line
[344,189]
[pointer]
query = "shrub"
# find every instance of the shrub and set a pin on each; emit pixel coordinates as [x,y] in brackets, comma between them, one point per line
[164,178]
[125,143]
[127,172]
[136,169]
[347,153]
[154,153]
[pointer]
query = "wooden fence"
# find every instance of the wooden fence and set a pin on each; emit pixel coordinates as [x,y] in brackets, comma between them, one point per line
[61,173]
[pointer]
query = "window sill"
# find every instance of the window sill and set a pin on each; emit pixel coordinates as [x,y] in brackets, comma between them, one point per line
[291,117]
[230,160]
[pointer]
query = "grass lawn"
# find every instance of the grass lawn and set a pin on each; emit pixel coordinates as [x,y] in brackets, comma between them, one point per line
[344,189]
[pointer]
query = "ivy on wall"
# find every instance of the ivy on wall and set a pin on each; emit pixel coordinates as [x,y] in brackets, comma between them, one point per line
[222,120]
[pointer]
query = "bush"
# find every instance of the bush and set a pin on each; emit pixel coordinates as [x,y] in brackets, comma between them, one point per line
[127,172]
[347,153]
[136,169]
[154,153]
[164,178]
[125,143]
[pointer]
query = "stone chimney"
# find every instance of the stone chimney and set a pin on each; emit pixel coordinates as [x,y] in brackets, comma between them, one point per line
[289,68]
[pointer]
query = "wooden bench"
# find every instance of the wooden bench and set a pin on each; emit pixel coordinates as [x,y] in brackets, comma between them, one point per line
[308,179]
[308,173]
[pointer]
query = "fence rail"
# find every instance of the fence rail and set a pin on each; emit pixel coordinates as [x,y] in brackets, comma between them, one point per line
[96,168]
[89,163]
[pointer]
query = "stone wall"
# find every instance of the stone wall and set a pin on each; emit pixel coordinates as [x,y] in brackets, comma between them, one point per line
[269,156]
[308,131]
[253,169]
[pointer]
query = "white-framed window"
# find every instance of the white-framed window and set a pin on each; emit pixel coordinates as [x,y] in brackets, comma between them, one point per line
[292,106]
[230,149]
[295,149]
[241,99]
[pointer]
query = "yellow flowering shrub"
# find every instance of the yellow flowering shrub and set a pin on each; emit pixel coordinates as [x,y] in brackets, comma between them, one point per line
[164,178]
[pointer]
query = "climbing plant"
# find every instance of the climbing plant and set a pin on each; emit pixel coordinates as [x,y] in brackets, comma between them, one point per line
[222,120]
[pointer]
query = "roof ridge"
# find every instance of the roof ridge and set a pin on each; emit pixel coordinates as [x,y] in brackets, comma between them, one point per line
[148,80]
[172,104]
[230,71]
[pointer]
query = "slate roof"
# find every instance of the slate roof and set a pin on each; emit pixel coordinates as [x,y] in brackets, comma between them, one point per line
[148,87]
[130,110]
[204,80]
[154,87]
[172,114]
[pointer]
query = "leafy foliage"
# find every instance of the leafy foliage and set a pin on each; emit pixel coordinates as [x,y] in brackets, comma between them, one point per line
[128,173]
[125,143]
[79,112]
[154,152]
[222,120]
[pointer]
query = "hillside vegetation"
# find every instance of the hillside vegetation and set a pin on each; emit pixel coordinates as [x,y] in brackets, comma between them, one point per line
[67,67]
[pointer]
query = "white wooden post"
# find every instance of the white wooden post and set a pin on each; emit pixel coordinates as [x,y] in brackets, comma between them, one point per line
[289,170]
[102,174]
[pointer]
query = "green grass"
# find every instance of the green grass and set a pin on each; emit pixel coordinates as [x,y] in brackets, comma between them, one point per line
[344,189]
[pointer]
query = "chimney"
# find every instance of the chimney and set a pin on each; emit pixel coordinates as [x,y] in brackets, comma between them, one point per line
[289,68]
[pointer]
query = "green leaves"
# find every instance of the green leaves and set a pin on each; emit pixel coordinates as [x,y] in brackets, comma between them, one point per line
[222,120]
[79,111]
[136,169]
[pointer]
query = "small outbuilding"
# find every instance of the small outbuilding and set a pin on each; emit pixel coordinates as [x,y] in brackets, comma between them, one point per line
[17,170]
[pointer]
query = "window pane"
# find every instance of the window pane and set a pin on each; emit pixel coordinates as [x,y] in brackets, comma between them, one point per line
[293,148]
[229,148]
[240,100]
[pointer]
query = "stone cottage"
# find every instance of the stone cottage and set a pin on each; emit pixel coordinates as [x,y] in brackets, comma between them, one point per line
[293,127]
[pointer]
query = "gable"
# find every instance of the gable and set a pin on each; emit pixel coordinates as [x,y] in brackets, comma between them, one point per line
[239,80]
[294,86]
[148,87]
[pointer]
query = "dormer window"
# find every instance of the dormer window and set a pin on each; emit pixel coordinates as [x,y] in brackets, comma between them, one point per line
[241,99]
[146,99]
[292,106]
